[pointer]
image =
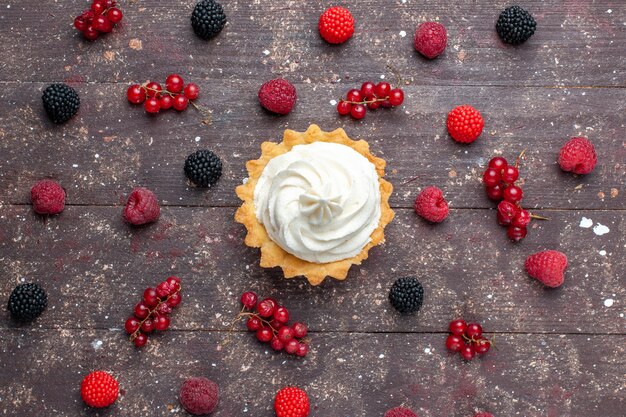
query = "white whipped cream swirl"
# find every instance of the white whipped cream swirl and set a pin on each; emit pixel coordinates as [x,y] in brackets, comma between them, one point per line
[319,202]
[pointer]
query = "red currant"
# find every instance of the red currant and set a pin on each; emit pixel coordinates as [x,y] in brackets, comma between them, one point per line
[354,95]
[163,289]
[249,299]
[457,327]
[373,102]
[102,24]
[166,101]
[266,308]
[131,325]
[468,352]
[153,89]
[299,330]
[396,97]
[174,83]
[80,23]
[264,334]
[150,297]
[454,343]
[303,350]
[90,33]
[276,324]
[141,340]
[522,219]
[382,89]
[358,111]
[98,7]
[115,15]
[512,194]
[498,163]
[281,315]
[163,308]
[482,346]
[254,323]
[180,102]
[136,94]
[386,104]
[192,91]
[510,174]
[474,331]
[343,107]
[147,326]
[276,344]
[174,282]
[161,323]
[494,193]
[368,89]
[291,347]
[491,177]
[174,300]
[516,233]
[141,310]
[506,212]
[285,334]
[152,105]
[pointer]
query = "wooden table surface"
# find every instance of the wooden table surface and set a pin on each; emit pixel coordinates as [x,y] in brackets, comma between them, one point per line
[560,352]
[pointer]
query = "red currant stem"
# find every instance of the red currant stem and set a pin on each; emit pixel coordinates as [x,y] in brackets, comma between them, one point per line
[538,217]
[519,158]
[262,321]
[366,101]
[409,180]
[134,335]
[399,79]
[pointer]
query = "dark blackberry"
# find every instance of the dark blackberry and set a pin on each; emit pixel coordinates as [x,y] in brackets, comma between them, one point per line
[61,102]
[515,25]
[27,302]
[203,168]
[208,19]
[406,295]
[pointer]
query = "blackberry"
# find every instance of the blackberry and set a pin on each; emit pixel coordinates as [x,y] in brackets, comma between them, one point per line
[515,25]
[27,302]
[208,19]
[61,102]
[203,168]
[406,295]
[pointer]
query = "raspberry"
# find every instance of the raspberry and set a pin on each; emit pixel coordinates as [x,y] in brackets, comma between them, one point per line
[199,396]
[483,414]
[99,389]
[431,205]
[400,412]
[578,156]
[465,124]
[431,39]
[142,207]
[336,25]
[291,402]
[48,197]
[548,267]
[278,96]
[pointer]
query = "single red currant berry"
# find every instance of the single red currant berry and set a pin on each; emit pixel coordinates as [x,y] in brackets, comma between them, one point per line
[454,343]
[382,89]
[457,327]
[521,219]
[147,326]
[396,97]
[266,308]
[494,193]
[285,334]
[281,315]
[264,334]
[161,323]
[174,83]
[512,194]
[136,94]
[368,88]
[115,15]
[276,344]
[491,177]
[468,352]
[373,102]
[482,346]
[343,107]
[98,7]
[291,347]
[516,233]
[174,282]
[192,91]
[249,299]
[299,330]
[174,300]
[276,324]
[150,297]
[354,95]
[498,163]
[180,102]
[303,350]
[90,33]
[474,331]
[164,309]
[131,325]
[163,289]
[506,212]
[510,174]
[141,340]
[102,24]
[166,101]
[386,104]
[358,111]
[153,89]
[80,23]
[254,323]
[88,15]
[152,105]
[141,310]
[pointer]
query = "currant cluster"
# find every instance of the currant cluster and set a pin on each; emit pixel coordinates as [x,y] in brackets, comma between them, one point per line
[467,339]
[270,322]
[499,179]
[151,313]
[100,18]
[370,96]
[154,98]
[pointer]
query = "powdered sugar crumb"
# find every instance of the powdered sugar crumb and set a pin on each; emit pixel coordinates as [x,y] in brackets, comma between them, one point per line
[600,229]
[96,344]
[586,223]
[402,33]
[266,52]
[333,102]
[608,302]
[602,253]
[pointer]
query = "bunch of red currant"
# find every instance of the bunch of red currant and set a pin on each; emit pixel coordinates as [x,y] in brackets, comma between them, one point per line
[270,322]
[499,179]
[100,18]
[370,96]
[154,98]
[467,339]
[151,313]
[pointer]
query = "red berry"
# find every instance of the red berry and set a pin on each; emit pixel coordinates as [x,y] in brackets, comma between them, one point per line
[276,324]
[285,334]
[336,25]
[521,219]
[498,163]
[278,96]
[516,233]
[180,102]
[136,94]
[80,23]
[150,297]
[281,315]
[430,39]
[249,299]
[368,88]
[152,105]
[161,323]
[506,212]
[373,102]
[354,95]
[491,177]
[303,350]
[494,193]
[396,97]
[140,340]
[254,323]
[510,174]
[164,309]
[578,155]
[174,83]
[431,205]
[291,402]
[97,7]
[548,267]
[474,331]
[465,124]
[454,343]
[343,107]
[358,111]
[457,327]
[147,326]
[264,334]
[153,89]
[131,325]
[386,104]
[101,23]
[99,389]
[47,197]
[166,102]
[266,308]
[174,282]
[382,89]
[174,300]
[90,33]
[482,346]
[512,194]
[163,289]
[291,346]
[141,310]
[276,344]
[192,91]
[299,330]
[468,352]
[115,15]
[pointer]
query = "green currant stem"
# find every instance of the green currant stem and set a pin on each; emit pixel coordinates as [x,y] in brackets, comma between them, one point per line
[134,335]
[519,158]
[399,79]
[536,216]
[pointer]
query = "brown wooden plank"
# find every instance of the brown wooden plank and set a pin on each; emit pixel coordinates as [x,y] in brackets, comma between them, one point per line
[91,263]
[345,374]
[577,43]
[112,146]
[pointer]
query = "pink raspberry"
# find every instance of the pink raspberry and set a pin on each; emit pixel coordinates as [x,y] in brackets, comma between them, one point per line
[400,412]
[578,156]
[48,197]
[142,207]
[431,205]
[278,96]
[431,39]
[199,396]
